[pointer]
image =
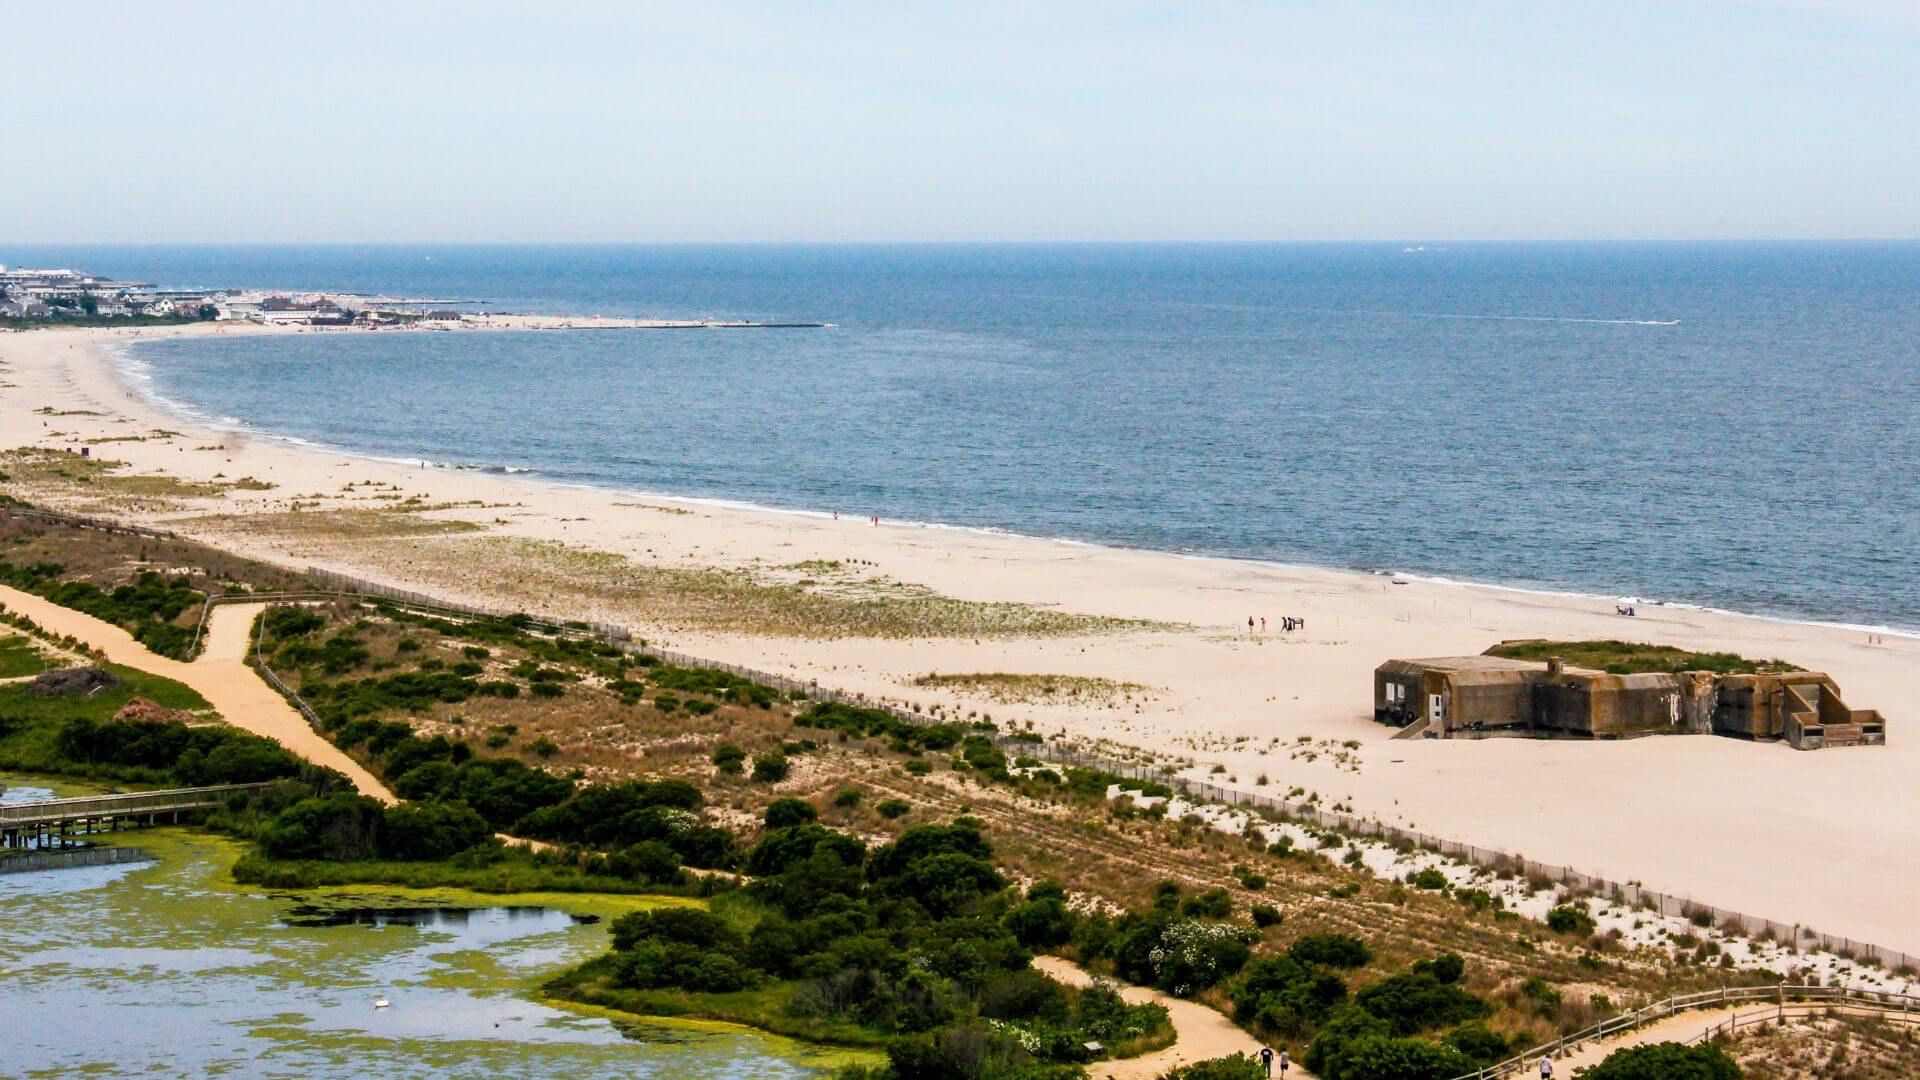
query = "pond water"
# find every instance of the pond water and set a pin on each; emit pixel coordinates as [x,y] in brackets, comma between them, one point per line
[168,968]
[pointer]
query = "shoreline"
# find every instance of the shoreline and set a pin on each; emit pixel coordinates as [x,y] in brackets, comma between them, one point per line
[1830,838]
[121,359]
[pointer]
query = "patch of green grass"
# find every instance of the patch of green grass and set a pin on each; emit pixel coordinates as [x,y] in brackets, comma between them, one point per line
[19,656]
[1629,657]
[764,1007]
[16,703]
[512,874]
[30,726]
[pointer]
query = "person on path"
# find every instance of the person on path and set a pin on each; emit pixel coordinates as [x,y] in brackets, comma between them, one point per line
[1249,624]
[1546,1067]
[1285,1063]
[1266,1060]
[1263,624]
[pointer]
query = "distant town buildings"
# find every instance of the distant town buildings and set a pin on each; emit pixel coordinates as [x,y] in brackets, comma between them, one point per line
[30,294]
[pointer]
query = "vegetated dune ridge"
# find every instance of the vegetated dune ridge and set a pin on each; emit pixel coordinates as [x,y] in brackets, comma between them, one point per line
[1830,839]
[220,675]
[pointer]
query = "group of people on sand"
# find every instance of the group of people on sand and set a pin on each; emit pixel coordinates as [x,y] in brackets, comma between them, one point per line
[1288,624]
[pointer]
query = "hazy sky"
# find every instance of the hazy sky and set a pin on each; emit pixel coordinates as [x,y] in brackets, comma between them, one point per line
[572,121]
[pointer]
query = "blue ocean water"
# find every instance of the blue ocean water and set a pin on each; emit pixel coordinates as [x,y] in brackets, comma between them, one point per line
[1727,424]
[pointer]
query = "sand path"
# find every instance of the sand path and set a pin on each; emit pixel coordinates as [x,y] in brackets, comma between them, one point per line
[1677,1028]
[221,676]
[1199,1032]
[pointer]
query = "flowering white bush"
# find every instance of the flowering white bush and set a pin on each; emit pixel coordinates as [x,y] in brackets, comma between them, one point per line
[1194,954]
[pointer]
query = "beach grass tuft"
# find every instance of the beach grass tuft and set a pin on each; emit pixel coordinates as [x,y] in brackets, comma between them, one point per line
[1016,689]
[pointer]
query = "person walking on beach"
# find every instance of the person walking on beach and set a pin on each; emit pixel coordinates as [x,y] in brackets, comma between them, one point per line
[1546,1067]
[1263,624]
[1266,1060]
[1285,1064]
[1249,625]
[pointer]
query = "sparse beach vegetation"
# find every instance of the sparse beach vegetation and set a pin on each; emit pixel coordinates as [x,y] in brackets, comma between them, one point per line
[743,601]
[1035,689]
[1629,657]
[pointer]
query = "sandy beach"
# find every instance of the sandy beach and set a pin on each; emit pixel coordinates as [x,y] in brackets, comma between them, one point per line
[1830,839]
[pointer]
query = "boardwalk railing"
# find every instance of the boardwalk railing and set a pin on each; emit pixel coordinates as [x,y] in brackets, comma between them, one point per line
[343,586]
[177,800]
[1889,1005]
[78,521]
[61,860]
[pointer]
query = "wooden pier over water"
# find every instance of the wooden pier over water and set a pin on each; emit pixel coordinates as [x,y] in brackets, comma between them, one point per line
[48,823]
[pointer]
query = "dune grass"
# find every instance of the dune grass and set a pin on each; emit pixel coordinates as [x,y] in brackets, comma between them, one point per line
[349,523]
[1629,657]
[1035,689]
[745,601]
[42,470]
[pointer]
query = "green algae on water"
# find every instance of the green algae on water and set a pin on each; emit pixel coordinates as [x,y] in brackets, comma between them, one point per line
[172,968]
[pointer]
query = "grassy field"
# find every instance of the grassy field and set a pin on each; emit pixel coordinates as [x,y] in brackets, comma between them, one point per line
[19,656]
[763,1007]
[1630,657]
[30,725]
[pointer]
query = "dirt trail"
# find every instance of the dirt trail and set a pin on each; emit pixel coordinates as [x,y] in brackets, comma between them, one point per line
[221,676]
[1199,1032]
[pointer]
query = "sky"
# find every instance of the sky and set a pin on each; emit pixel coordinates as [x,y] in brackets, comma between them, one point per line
[728,122]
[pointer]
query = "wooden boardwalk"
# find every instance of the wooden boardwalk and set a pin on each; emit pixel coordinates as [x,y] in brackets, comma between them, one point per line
[34,824]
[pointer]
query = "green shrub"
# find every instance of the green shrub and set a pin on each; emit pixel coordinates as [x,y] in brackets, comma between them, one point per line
[1478,1044]
[1331,950]
[770,768]
[1539,990]
[729,759]
[1417,1001]
[653,862]
[1567,919]
[1446,968]
[1234,1067]
[787,812]
[1666,1061]
[1212,903]
[893,808]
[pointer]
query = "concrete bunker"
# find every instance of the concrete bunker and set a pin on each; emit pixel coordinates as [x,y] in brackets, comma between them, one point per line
[1487,695]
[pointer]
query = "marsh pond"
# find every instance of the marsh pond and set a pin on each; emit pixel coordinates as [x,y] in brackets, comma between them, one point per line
[169,968]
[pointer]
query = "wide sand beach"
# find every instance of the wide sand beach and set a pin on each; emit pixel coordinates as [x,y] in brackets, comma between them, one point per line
[1141,649]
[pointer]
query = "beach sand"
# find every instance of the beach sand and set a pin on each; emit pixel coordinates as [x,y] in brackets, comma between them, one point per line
[1830,839]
